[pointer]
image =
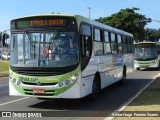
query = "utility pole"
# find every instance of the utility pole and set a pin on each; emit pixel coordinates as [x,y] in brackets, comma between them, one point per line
[89,8]
[144,22]
[1,51]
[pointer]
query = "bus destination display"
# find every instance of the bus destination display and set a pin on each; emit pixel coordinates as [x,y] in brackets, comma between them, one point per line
[40,23]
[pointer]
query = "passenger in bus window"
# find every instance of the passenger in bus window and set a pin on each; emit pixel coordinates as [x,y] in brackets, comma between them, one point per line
[119,49]
[65,45]
[74,48]
[74,51]
[46,52]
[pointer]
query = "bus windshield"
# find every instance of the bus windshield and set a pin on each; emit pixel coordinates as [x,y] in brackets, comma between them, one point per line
[145,52]
[44,49]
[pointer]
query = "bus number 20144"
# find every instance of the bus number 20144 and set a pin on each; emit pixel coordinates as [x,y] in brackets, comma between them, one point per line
[28,79]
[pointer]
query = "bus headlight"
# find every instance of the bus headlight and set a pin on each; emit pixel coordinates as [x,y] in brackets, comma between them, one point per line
[153,62]
[75,77]
[67,82]
[18,82]
[13,80]
[60,84]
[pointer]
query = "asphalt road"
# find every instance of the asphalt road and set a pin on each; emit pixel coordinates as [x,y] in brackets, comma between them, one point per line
[110,99]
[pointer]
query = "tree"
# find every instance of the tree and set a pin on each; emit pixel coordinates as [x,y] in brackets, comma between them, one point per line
[4,37]
[153,34]
[127,20]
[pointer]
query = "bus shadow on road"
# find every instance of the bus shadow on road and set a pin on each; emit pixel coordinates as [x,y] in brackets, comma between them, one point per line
[150,69]
[101,107]
[76,104]
[109,99]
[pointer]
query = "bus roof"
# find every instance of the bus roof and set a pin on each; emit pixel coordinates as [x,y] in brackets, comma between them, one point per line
[84,19]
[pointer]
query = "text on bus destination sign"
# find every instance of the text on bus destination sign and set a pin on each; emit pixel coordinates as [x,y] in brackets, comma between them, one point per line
[40,23]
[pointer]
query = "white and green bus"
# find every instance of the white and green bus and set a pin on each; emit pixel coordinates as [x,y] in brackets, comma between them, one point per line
[66,56]
[146,55]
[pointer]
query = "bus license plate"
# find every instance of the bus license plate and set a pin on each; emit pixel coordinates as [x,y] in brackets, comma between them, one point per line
[38,91]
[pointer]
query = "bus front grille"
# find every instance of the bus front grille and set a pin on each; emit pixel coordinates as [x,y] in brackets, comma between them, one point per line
[38,72]
[42,84]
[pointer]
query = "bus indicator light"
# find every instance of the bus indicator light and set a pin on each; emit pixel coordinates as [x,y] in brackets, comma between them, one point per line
[60,84]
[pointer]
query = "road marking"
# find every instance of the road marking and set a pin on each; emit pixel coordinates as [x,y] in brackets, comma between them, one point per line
[13,101]
[125,104]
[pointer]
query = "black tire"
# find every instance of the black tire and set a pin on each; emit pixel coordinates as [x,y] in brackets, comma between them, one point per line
[96,87]
[123,80]
[47,99]
[138,68]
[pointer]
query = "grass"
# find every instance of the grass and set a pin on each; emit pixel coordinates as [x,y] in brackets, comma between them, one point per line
[148,100]
[4,68]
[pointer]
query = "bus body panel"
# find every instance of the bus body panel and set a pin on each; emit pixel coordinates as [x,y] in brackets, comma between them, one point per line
[87,85]
[146,64]
[20,88]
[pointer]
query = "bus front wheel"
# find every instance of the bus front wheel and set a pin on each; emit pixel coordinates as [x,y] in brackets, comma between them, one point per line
[138,68]
[96,87]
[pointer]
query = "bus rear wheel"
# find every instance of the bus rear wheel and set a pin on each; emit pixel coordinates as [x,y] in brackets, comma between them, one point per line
[122,81]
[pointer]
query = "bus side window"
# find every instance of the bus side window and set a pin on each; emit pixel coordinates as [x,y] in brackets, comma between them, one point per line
[106,44]
[113,43]
[119,41]
[85,41]
[86,44]
[124,44]
[82,44]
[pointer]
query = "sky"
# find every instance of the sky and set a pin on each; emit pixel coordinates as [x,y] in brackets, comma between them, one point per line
[11,9]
